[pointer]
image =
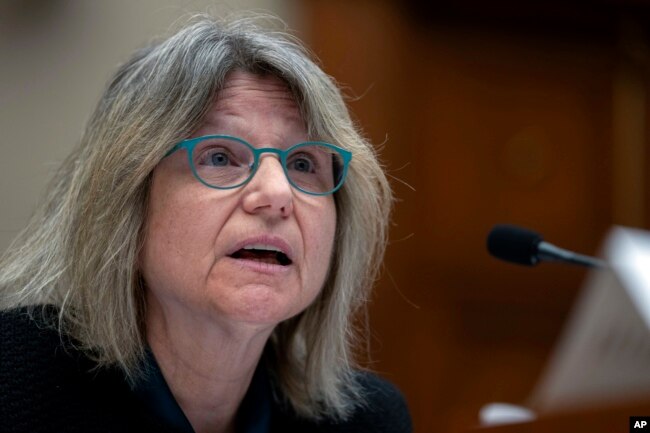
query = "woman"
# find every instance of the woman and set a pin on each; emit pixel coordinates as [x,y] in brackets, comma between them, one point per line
[199,257]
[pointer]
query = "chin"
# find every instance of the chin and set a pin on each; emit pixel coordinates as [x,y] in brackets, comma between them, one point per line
[260,306]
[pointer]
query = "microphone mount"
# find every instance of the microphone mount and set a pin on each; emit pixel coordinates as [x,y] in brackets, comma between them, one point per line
[525,247]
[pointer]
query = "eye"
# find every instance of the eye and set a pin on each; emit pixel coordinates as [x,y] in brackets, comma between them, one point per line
[301,163]
[215,157]
[219,159]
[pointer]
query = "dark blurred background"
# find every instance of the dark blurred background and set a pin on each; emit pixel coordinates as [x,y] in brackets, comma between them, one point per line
[530,112]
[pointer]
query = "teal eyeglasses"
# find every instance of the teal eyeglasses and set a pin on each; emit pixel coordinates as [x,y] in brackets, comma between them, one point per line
[226,162]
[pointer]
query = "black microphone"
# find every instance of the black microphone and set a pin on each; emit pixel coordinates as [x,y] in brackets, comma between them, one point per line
[525,247]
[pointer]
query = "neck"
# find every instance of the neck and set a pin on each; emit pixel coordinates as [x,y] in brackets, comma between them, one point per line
[207,366]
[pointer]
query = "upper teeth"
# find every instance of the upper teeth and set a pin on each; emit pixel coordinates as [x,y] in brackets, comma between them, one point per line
[262,247]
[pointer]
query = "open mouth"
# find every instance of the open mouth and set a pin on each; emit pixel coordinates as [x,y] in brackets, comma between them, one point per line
[263,256]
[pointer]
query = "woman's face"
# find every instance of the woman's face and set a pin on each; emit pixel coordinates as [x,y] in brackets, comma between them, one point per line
[194,259]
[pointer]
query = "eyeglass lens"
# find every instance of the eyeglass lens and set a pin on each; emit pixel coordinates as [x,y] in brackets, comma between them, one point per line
[224,162]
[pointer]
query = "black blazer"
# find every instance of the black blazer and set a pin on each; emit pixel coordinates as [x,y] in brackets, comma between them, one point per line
[48,386]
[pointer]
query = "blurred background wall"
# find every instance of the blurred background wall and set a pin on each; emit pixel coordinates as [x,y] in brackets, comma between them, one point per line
[57,56]
[532,113]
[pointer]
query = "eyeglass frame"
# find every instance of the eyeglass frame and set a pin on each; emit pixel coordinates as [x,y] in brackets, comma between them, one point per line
[190,143]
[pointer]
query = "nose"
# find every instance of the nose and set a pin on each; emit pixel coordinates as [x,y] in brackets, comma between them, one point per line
[269,191]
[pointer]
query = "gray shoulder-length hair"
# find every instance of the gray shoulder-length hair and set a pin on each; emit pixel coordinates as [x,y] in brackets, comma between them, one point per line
[80,250]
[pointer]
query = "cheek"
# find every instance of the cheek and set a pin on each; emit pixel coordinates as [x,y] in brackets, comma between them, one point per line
[320,243]
[179,243]
[162,251]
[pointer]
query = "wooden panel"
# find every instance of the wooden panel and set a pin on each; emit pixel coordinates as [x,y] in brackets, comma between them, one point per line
[489,124]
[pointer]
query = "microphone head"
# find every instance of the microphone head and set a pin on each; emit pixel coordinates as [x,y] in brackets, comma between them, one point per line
[514,244]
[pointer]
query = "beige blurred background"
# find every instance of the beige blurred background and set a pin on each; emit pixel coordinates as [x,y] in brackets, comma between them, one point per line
[57,56]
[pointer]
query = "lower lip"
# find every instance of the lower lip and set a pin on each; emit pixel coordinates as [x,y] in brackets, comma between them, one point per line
[261,267]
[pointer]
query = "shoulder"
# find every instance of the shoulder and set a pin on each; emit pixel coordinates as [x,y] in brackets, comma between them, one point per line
[39,376]
[381,408]
[30,344]
[27,334]
[379,392]
[47,385]
[25,317]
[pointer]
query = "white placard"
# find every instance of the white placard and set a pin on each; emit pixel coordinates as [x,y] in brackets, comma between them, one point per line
[603,356]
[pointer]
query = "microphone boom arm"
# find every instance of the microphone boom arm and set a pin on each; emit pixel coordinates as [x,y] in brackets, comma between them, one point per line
[549,252]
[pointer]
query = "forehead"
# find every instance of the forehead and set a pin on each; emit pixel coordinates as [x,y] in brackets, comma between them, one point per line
[265,93]
[260,109]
